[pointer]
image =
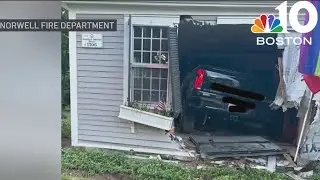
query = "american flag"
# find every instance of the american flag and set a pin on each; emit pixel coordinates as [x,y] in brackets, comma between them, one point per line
[161,106]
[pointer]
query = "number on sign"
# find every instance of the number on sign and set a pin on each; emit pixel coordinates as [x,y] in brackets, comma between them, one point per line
[92,44]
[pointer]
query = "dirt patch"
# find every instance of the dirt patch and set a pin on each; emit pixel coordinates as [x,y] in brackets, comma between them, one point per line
[113,176]
[66,143]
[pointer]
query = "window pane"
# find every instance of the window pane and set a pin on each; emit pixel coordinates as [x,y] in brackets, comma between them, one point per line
[146,72]
[155,58]
[163,96]
[155,84]
[146,57]
[156,32]
[155,73]
[163,58]
[164,45]
[163,84]
[137,57]
[137,44]
[146,83]
[164,73]
[146,44]
[147,32]
[166,59]
[155,96]
[145,95]
[155,45]
[165,54]
[164,32]
[137,95]
[137,31]
[137,72]
[137,83]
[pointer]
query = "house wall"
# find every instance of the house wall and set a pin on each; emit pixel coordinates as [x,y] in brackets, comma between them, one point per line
[99,76]
[100,84]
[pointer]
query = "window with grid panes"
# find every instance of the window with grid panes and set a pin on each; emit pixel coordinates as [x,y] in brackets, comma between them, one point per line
[149,64]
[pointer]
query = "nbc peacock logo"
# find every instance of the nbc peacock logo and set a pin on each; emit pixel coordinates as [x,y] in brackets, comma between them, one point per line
[270,24]
[266,24]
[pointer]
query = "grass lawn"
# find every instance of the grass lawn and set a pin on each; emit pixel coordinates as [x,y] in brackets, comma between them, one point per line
[99,164]
[82,164]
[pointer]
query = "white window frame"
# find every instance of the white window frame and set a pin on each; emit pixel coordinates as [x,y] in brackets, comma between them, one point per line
[150,21]
[236,20]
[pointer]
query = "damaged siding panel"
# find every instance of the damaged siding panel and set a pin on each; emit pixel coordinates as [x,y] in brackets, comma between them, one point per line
[125,135]
[111,128]
[100,94]
[123,126]
[120,133]
[165,149]
[127,141]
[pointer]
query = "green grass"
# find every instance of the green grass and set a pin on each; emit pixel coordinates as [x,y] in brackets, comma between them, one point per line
[315,177]
[88,163]
[94,162]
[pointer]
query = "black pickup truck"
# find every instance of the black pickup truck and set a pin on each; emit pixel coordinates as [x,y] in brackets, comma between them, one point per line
[202,102]
[213,55]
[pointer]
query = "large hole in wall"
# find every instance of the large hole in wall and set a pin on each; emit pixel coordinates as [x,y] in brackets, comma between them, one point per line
[232,50]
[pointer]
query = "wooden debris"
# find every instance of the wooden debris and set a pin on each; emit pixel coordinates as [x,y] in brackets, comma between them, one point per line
[293,176]
[288,157]
[272,163]
[307,174]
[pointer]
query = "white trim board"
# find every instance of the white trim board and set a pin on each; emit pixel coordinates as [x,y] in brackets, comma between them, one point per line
[184,3]
[126,58]
[155,20]
[164,9]
[73,82]
[236,20]
[178,152]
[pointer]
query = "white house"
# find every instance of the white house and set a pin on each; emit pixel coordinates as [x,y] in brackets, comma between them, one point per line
[100,76]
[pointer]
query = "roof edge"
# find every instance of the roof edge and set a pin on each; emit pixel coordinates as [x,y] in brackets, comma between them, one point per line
[183,3]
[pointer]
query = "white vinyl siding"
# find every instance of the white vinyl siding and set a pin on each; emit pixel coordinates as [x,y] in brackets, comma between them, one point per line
[100,87]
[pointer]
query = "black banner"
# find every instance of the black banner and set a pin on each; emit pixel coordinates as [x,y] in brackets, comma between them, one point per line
[57,25]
